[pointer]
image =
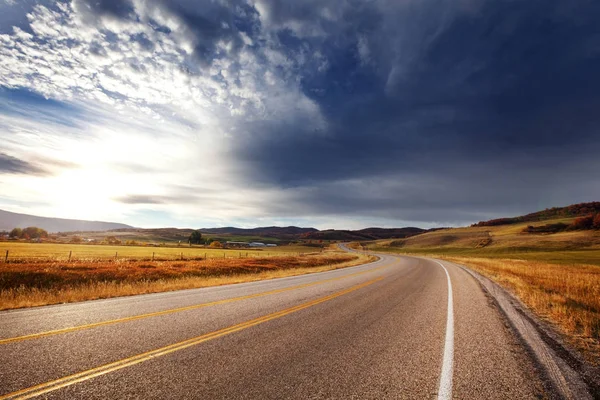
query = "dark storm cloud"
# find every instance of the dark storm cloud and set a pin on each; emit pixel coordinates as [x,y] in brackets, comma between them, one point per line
[12,165]
[492,102]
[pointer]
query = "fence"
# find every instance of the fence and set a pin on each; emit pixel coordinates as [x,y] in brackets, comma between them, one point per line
[15,257]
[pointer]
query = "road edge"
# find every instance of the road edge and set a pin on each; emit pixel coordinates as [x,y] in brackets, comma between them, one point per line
[566,372]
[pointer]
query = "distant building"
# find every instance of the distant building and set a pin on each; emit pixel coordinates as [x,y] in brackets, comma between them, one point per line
[236,244]
[271,245]
[257,244]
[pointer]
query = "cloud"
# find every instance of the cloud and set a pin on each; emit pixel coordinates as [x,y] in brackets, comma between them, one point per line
[13,165]
[429,111]
[142,199]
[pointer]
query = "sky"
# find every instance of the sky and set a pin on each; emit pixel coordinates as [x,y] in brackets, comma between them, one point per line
[322,113]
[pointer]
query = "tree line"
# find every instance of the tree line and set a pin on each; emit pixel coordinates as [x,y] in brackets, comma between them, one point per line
[31,232]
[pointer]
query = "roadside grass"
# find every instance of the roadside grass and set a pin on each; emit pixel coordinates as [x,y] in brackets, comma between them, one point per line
[567,296]
[49,281]
[60,251]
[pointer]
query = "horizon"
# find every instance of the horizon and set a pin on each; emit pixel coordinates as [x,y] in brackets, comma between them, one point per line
[333,115]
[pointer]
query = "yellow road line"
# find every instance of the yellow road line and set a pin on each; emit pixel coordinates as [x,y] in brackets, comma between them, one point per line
[69,380]
[174,310]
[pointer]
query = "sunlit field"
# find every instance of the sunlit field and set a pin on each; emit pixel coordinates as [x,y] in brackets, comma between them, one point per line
[20,251]
[41,274]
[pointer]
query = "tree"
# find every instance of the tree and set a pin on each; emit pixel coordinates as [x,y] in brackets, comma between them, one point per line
[34,232]
[216,244]
[76,239]
[195,237]
[16,233]
[111,240]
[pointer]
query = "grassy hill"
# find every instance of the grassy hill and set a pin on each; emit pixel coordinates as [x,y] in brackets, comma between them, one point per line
[574,210]
[509,240]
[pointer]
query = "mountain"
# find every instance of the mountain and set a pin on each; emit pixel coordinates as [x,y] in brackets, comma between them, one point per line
[574,210]
[10,220]
[364,234]
[268,231]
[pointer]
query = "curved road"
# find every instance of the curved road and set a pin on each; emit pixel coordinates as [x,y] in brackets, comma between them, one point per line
[376,331]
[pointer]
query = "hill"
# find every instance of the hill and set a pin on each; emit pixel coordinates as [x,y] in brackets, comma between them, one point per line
[525,237]
[10,220]
[288,232]
[574,210]
[363,234]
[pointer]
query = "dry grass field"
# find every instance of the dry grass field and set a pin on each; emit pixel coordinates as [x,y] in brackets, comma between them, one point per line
[567,296]
[47,281]
[20,251]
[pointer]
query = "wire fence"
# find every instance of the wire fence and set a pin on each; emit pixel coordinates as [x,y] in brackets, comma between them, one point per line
[15,257]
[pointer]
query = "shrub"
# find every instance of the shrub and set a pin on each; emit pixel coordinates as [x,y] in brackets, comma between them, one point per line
[16,233]
[216,244]
[583,223]
[549,228]
[596,223]
[111,240]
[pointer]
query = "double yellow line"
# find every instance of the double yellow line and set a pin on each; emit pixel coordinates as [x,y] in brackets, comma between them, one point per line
[173,310]
[127,362]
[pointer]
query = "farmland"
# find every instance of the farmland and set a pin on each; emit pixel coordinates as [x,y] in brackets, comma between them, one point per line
[40,274]
[61,252]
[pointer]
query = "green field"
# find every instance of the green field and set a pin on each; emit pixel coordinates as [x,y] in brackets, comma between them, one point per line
[59,251]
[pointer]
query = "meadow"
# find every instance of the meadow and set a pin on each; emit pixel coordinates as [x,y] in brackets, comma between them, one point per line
[23,251]
[44,275]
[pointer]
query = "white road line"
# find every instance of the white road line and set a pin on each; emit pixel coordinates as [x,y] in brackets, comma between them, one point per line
[445,389]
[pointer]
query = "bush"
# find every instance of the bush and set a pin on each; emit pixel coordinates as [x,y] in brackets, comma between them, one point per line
[582,223]
[216,244]
[111,240]
[596,223]
[549,228]
[16,233]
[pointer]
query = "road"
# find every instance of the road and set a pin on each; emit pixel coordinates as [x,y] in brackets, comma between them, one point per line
[377,331]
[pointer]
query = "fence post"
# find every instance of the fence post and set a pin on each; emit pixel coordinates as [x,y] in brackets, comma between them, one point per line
[116,255]
[205,256]
[6,257]
[182,256]
[70,251]
[152,256]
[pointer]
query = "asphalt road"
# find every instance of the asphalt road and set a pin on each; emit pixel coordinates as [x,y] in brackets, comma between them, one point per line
[377,331]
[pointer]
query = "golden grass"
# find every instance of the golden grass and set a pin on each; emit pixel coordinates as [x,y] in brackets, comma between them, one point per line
[568,296]
[61,251]
[504,238]
[51,282]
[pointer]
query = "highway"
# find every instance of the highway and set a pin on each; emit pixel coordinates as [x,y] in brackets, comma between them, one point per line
[397,328]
